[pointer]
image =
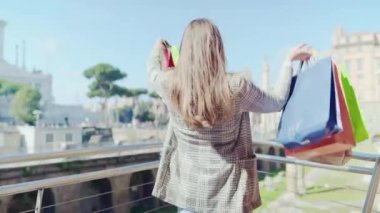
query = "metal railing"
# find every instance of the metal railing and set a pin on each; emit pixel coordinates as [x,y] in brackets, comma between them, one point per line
[374,171]
[43,158]
[41,185]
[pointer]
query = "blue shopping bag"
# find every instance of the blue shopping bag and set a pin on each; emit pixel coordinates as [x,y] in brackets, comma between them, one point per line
[312,110]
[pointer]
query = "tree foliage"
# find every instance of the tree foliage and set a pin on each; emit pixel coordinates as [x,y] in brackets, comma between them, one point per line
[104,77]
[154,95]
[144,112]
[9,88]
[136,92]
[125,114]
[25,100]
[24,103]
[104,85]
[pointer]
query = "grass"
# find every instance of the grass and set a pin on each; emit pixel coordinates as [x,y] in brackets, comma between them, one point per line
[328,191]
[332,185]
[314,210]
[268,196]
[327,194]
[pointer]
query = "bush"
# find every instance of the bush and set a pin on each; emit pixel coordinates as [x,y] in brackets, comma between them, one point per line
[24,103]
[144,112]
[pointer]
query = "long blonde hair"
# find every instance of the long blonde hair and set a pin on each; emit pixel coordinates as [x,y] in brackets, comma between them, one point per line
[200,91]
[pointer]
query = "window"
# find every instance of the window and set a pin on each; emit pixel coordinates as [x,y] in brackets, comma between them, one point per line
[68,137]
[49,138]
[359,64]
[377,65]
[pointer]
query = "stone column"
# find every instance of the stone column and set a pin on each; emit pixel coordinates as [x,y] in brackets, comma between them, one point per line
[301,179]
[4,203]
[2,26]
[67,193]
[121,186]
[291,180]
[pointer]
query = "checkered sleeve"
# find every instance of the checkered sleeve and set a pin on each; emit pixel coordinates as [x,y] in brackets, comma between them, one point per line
[155,74]
[254,99]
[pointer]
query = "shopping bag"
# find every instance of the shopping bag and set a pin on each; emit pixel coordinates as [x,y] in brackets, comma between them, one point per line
[167,60]
[170,58]
[357,120]
[338,158]
[332,149]
[175,54]
[312,111]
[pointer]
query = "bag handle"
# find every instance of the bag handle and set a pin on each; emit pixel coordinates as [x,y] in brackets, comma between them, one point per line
[314,57]
[300,67]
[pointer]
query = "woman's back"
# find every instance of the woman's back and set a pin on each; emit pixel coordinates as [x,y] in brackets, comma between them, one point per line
[209,169]
[207,163]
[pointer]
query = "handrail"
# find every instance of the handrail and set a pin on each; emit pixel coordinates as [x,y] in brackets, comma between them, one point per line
[351,169]
[84,177]
[122,150]
[365,156]
[355,155]
[73,179]
[21,160]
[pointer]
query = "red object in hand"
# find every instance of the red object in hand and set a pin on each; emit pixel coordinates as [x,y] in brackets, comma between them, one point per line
[167,62]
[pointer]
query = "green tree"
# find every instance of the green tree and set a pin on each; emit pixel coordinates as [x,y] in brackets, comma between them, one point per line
[24,103]
[154,95]
[136,92]
[161,120]
[144,112]
[104,85]
[125,114]
[8,88]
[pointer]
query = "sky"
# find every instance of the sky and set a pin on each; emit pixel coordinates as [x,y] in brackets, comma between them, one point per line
[65,37]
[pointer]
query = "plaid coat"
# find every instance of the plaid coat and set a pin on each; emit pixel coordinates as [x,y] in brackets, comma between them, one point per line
[214,170]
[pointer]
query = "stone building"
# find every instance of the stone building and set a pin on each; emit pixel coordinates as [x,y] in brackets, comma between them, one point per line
[360,52]
[18,73]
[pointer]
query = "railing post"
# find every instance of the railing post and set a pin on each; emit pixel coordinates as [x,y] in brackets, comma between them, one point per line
[39,200]
[372,189]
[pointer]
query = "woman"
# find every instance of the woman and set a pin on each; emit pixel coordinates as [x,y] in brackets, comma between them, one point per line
[207,163]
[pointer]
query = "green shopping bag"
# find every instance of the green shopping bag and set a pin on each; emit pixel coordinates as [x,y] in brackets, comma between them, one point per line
[357,121]
[175,54]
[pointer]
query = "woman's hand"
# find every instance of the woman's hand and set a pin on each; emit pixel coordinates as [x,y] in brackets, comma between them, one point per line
[161,44]
[302,52]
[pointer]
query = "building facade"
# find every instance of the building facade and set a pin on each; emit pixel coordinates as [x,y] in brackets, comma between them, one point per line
[360,53]
[52,113]
[36,139]
[10,140]
[18,73]
[265,125]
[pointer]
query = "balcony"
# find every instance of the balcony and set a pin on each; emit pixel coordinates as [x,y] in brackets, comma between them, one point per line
[128,188]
